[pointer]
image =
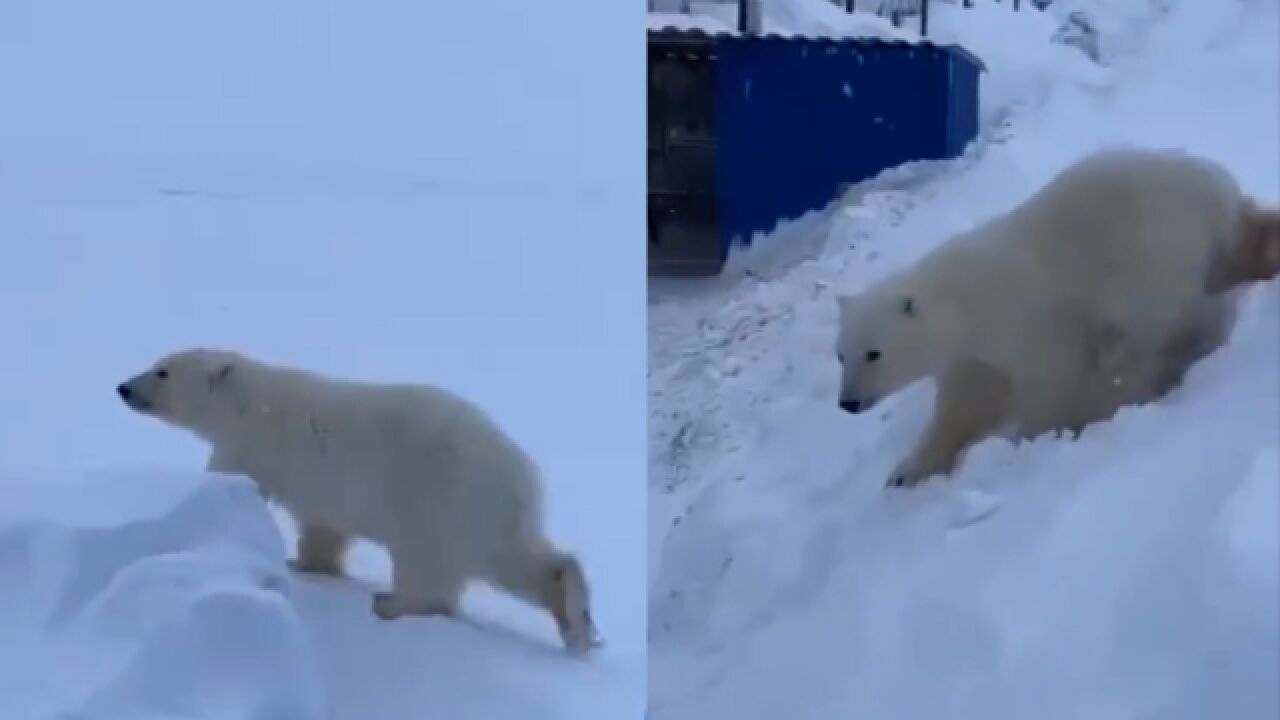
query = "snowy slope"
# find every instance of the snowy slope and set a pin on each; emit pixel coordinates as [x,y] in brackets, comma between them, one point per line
[133,593]
[380,190]
[1130,574]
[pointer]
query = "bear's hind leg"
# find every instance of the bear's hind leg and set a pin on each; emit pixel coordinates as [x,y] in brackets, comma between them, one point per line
[973,400]
[1120,370]
[1205,333]
[320,549]
[422,586]
[1117,370]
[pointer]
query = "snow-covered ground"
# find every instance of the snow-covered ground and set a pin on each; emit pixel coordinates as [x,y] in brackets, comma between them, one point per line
[1134,573]
[380,190]
[137,584]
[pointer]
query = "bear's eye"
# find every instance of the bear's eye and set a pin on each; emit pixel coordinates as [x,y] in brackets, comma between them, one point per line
[873,355]
[162,373]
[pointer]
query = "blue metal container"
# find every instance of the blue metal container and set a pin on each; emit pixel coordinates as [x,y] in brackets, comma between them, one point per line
[800,117]
[793,119]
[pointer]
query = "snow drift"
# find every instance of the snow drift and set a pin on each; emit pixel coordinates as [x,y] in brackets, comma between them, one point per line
[134,594]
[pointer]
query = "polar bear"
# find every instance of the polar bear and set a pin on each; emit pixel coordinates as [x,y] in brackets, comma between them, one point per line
[1024,320]
[413,467]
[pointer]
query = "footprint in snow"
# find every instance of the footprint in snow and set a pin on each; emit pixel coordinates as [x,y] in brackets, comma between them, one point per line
[970,506]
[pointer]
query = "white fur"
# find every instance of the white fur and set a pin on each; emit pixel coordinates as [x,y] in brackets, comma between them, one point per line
[412,467]
[1011,313]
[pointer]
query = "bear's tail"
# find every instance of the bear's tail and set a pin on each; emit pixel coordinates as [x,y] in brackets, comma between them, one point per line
[1255,255]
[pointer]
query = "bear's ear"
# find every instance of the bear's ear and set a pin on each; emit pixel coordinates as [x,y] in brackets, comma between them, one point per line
[220,375]
[909,306]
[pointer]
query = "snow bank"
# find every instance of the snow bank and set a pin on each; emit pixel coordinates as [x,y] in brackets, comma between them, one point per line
[1110,579]
[1023,64]
[148,594]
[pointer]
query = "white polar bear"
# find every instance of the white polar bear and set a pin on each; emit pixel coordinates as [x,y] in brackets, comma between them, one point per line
[1027,321]
[412,467]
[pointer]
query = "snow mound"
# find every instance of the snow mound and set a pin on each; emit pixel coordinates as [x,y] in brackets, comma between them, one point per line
[1023,62]
[148,594]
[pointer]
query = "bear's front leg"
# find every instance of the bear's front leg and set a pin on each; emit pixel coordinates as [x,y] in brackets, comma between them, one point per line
[973,400]
[320,549]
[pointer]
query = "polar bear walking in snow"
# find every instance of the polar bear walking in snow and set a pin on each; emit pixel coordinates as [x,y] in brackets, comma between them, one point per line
[412,467]
[1112,271]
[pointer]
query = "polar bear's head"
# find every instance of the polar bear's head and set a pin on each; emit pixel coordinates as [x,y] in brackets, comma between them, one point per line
[889,338]
[192,389]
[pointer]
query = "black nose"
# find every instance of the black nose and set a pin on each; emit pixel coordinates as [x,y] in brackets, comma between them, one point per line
[124,391]
[851,406]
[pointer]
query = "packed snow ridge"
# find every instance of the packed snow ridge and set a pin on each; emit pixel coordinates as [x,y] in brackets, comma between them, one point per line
[148,594]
